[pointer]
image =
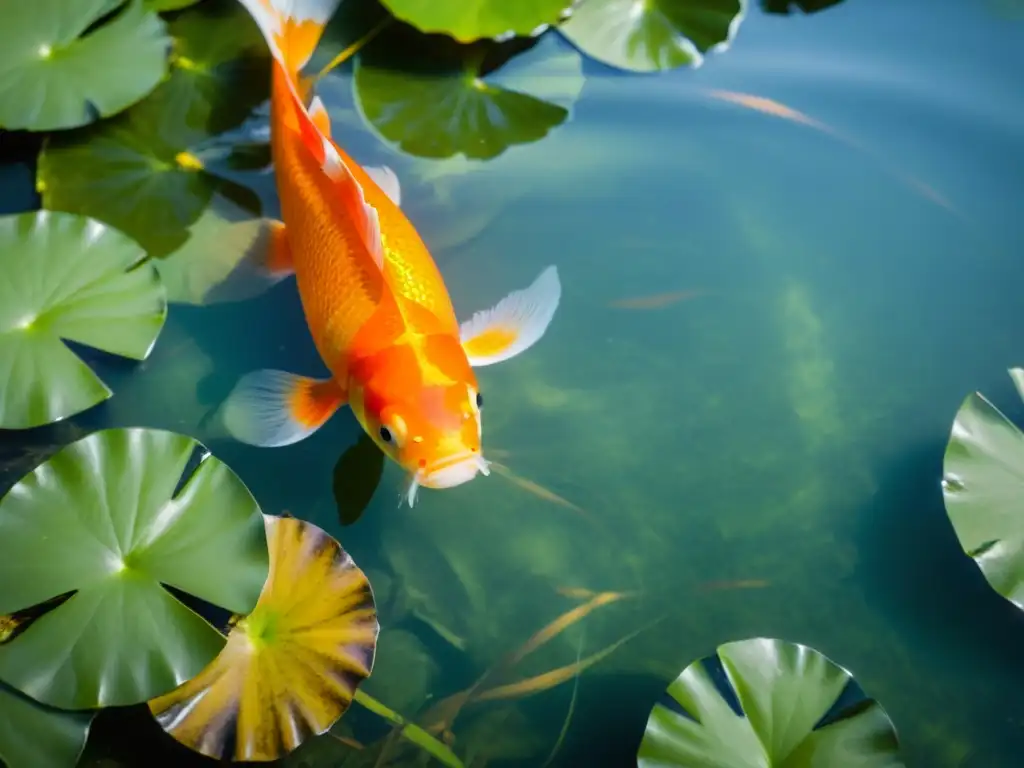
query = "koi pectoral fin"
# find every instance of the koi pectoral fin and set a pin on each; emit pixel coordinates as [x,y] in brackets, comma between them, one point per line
[514,324]
[264,259]
[273,408]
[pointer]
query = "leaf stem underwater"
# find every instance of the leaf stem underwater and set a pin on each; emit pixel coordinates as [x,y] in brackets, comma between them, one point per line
[409,730]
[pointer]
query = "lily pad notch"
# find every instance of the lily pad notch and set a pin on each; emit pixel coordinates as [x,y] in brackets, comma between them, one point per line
[765,702]
[68,277]
[983,489]
[113,518]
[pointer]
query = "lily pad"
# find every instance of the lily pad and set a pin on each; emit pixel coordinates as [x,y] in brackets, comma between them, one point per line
[147,171]
[654,34]
[55,76]
[291,668]
[67,277]
[787,693]
[440,100]
[33,735]
[102,519]
[983,487]
[469,20]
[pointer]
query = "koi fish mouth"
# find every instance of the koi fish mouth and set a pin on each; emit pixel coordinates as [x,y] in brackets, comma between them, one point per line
[447,473]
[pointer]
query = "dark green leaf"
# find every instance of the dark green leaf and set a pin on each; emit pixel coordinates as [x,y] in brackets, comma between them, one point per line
[440,100]
[152,172]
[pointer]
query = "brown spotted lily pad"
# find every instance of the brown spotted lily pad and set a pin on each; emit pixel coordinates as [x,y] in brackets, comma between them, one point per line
[291,668]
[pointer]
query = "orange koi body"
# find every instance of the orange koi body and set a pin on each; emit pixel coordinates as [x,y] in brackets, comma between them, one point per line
[375,303]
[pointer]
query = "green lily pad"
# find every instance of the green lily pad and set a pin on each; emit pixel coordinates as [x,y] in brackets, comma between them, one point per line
[983,487]
[101,519]
[290,669]
[67,277]
[469,20]
[33,735]
[784,690]
[654,34]
[443,101]
[152,171]
[53,77]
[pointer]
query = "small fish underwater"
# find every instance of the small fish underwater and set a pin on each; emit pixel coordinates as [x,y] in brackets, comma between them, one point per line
[374,301]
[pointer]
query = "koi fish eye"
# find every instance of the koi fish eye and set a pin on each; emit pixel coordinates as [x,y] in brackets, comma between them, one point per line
[393,433]
[479,401]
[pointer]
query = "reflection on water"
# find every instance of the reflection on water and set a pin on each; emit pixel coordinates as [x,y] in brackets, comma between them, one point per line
[758,456]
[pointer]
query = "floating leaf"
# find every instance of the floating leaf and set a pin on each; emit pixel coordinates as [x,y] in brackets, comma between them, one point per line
[67,277]
[785,691]
[33,735]
[654,34]
[289,669]
[983,486]
[441,101]
[468,20]
[146,171]
[101,517]
[52,77]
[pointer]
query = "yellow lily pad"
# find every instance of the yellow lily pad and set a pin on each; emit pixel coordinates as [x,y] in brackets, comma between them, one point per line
[291,668]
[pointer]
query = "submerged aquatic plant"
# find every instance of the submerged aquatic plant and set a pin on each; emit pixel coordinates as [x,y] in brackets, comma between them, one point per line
[787,714]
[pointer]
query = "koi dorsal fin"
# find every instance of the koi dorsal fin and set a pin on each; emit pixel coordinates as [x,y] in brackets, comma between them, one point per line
[352,197]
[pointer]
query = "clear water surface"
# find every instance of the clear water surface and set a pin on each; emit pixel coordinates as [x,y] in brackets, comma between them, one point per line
[760,457]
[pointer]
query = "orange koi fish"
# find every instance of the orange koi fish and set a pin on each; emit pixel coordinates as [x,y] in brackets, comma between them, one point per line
[375,303]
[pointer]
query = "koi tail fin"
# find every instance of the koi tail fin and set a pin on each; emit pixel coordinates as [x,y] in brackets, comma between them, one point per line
[292,28]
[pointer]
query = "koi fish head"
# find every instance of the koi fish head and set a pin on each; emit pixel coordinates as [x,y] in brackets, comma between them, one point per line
[425,418]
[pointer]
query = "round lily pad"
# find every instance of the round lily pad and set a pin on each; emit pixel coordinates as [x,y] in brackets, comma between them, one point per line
[67,277]
[147,171]
[115,519]
[443,102]
[983,487]
[653,34]
[291,668]
[33,735]
[56,72]
[468,20]
[786,714]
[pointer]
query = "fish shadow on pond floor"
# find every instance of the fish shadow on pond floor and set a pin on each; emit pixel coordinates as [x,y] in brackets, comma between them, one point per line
[913,568]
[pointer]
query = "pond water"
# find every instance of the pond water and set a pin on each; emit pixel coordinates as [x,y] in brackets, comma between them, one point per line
[766,329]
